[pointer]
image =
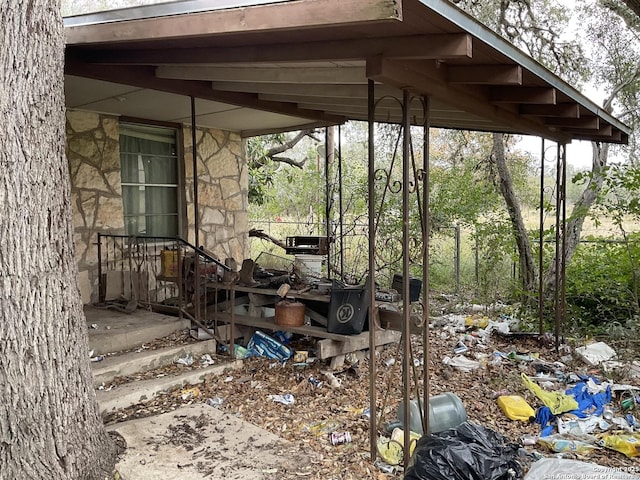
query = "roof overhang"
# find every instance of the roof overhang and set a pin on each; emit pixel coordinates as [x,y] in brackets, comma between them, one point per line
[257,66]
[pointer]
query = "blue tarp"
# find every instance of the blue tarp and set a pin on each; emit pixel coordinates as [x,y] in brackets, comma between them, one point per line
[589,404]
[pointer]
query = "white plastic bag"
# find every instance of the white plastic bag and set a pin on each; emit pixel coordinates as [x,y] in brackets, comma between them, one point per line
[550,468]
[596,353]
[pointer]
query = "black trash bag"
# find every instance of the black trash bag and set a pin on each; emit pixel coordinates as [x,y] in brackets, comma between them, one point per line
[466,452]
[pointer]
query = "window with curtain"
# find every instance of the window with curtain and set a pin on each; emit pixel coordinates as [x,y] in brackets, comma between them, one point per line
[148,156]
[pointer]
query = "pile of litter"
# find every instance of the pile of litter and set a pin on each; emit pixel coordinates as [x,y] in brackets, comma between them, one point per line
[542,401]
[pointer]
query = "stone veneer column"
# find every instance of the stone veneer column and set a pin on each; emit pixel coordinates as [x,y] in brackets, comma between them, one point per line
[93,152]
[222,192]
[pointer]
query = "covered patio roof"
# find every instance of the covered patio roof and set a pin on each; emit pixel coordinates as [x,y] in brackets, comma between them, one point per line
[257,66]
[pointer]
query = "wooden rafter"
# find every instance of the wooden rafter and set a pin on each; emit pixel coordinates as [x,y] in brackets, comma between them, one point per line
[433,47]
[144,77]
[590,123]
[566,110]
[523,95]
[322,75]
[485,74]
[403,76]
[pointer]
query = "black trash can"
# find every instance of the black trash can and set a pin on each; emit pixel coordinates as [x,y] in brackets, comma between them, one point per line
[348,308]
[415,286]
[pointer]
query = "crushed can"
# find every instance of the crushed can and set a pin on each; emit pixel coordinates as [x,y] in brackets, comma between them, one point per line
[314,382]
[337,438]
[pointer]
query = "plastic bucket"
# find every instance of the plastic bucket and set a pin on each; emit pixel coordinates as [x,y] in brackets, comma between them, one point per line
[445,411]
[309,264]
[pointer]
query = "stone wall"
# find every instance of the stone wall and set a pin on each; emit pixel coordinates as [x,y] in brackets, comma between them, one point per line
[94,164]
[222,192]
[93,153]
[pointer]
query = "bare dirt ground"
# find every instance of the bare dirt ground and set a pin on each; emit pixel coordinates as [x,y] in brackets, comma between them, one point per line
[248,394]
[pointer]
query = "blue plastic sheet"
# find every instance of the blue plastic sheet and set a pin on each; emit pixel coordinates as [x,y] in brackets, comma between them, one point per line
[589,404]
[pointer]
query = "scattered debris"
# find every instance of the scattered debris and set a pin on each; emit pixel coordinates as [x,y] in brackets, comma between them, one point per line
[187,360]
[215,401]
[286,399]
[596,353]
[318,413]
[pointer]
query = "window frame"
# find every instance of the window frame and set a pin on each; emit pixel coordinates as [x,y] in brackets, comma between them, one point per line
[179,158]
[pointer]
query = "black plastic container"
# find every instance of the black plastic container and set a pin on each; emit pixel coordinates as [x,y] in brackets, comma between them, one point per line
[415,286]
[348,309]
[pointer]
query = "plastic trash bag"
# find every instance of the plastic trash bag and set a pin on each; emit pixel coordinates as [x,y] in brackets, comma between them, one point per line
[263,345]
[549,468]
[596,353]
[468,451]
[629,444]
[556,401]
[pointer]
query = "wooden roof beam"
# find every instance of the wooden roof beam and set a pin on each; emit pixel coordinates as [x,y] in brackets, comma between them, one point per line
[591,123]
[616,137]
[347,91]
[485,74]
[604,132]
[403,76]
[322,75]
[530,95]
[269,17]
[425,47]
[565,110]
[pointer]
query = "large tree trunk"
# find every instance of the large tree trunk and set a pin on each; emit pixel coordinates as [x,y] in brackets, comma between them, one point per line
[525,255]
[49,423]
[580,210]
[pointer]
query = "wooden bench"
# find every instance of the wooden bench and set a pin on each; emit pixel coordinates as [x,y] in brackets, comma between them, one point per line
[331,346]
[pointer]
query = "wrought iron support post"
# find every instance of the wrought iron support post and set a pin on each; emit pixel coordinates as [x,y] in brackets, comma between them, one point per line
[406,304]
[196,212]
[541,246]
[373,429]
[426,228]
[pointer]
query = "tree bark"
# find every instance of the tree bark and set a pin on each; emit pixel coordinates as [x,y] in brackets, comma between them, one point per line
[49,422]
[600,153]
[527,265]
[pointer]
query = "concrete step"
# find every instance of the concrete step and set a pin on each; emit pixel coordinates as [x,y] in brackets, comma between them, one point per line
[133,393]
[112,331]
[132,363]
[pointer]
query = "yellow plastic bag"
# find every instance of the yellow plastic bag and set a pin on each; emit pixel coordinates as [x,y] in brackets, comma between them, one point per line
[476,322]
[392,450]
[516,408]
[629,444]
[556,401]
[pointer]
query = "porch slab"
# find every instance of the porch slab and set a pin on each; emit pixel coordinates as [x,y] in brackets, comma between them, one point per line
[132,393]
[202,442]
[135,362]
[116,331]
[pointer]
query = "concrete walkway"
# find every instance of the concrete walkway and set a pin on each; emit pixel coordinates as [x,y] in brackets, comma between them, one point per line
[201,442]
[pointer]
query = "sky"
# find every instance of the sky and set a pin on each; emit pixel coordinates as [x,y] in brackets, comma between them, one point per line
[578,152]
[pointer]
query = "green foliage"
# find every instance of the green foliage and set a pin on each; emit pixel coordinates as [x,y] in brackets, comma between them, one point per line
[497,255]
[600,282]
[261,168]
